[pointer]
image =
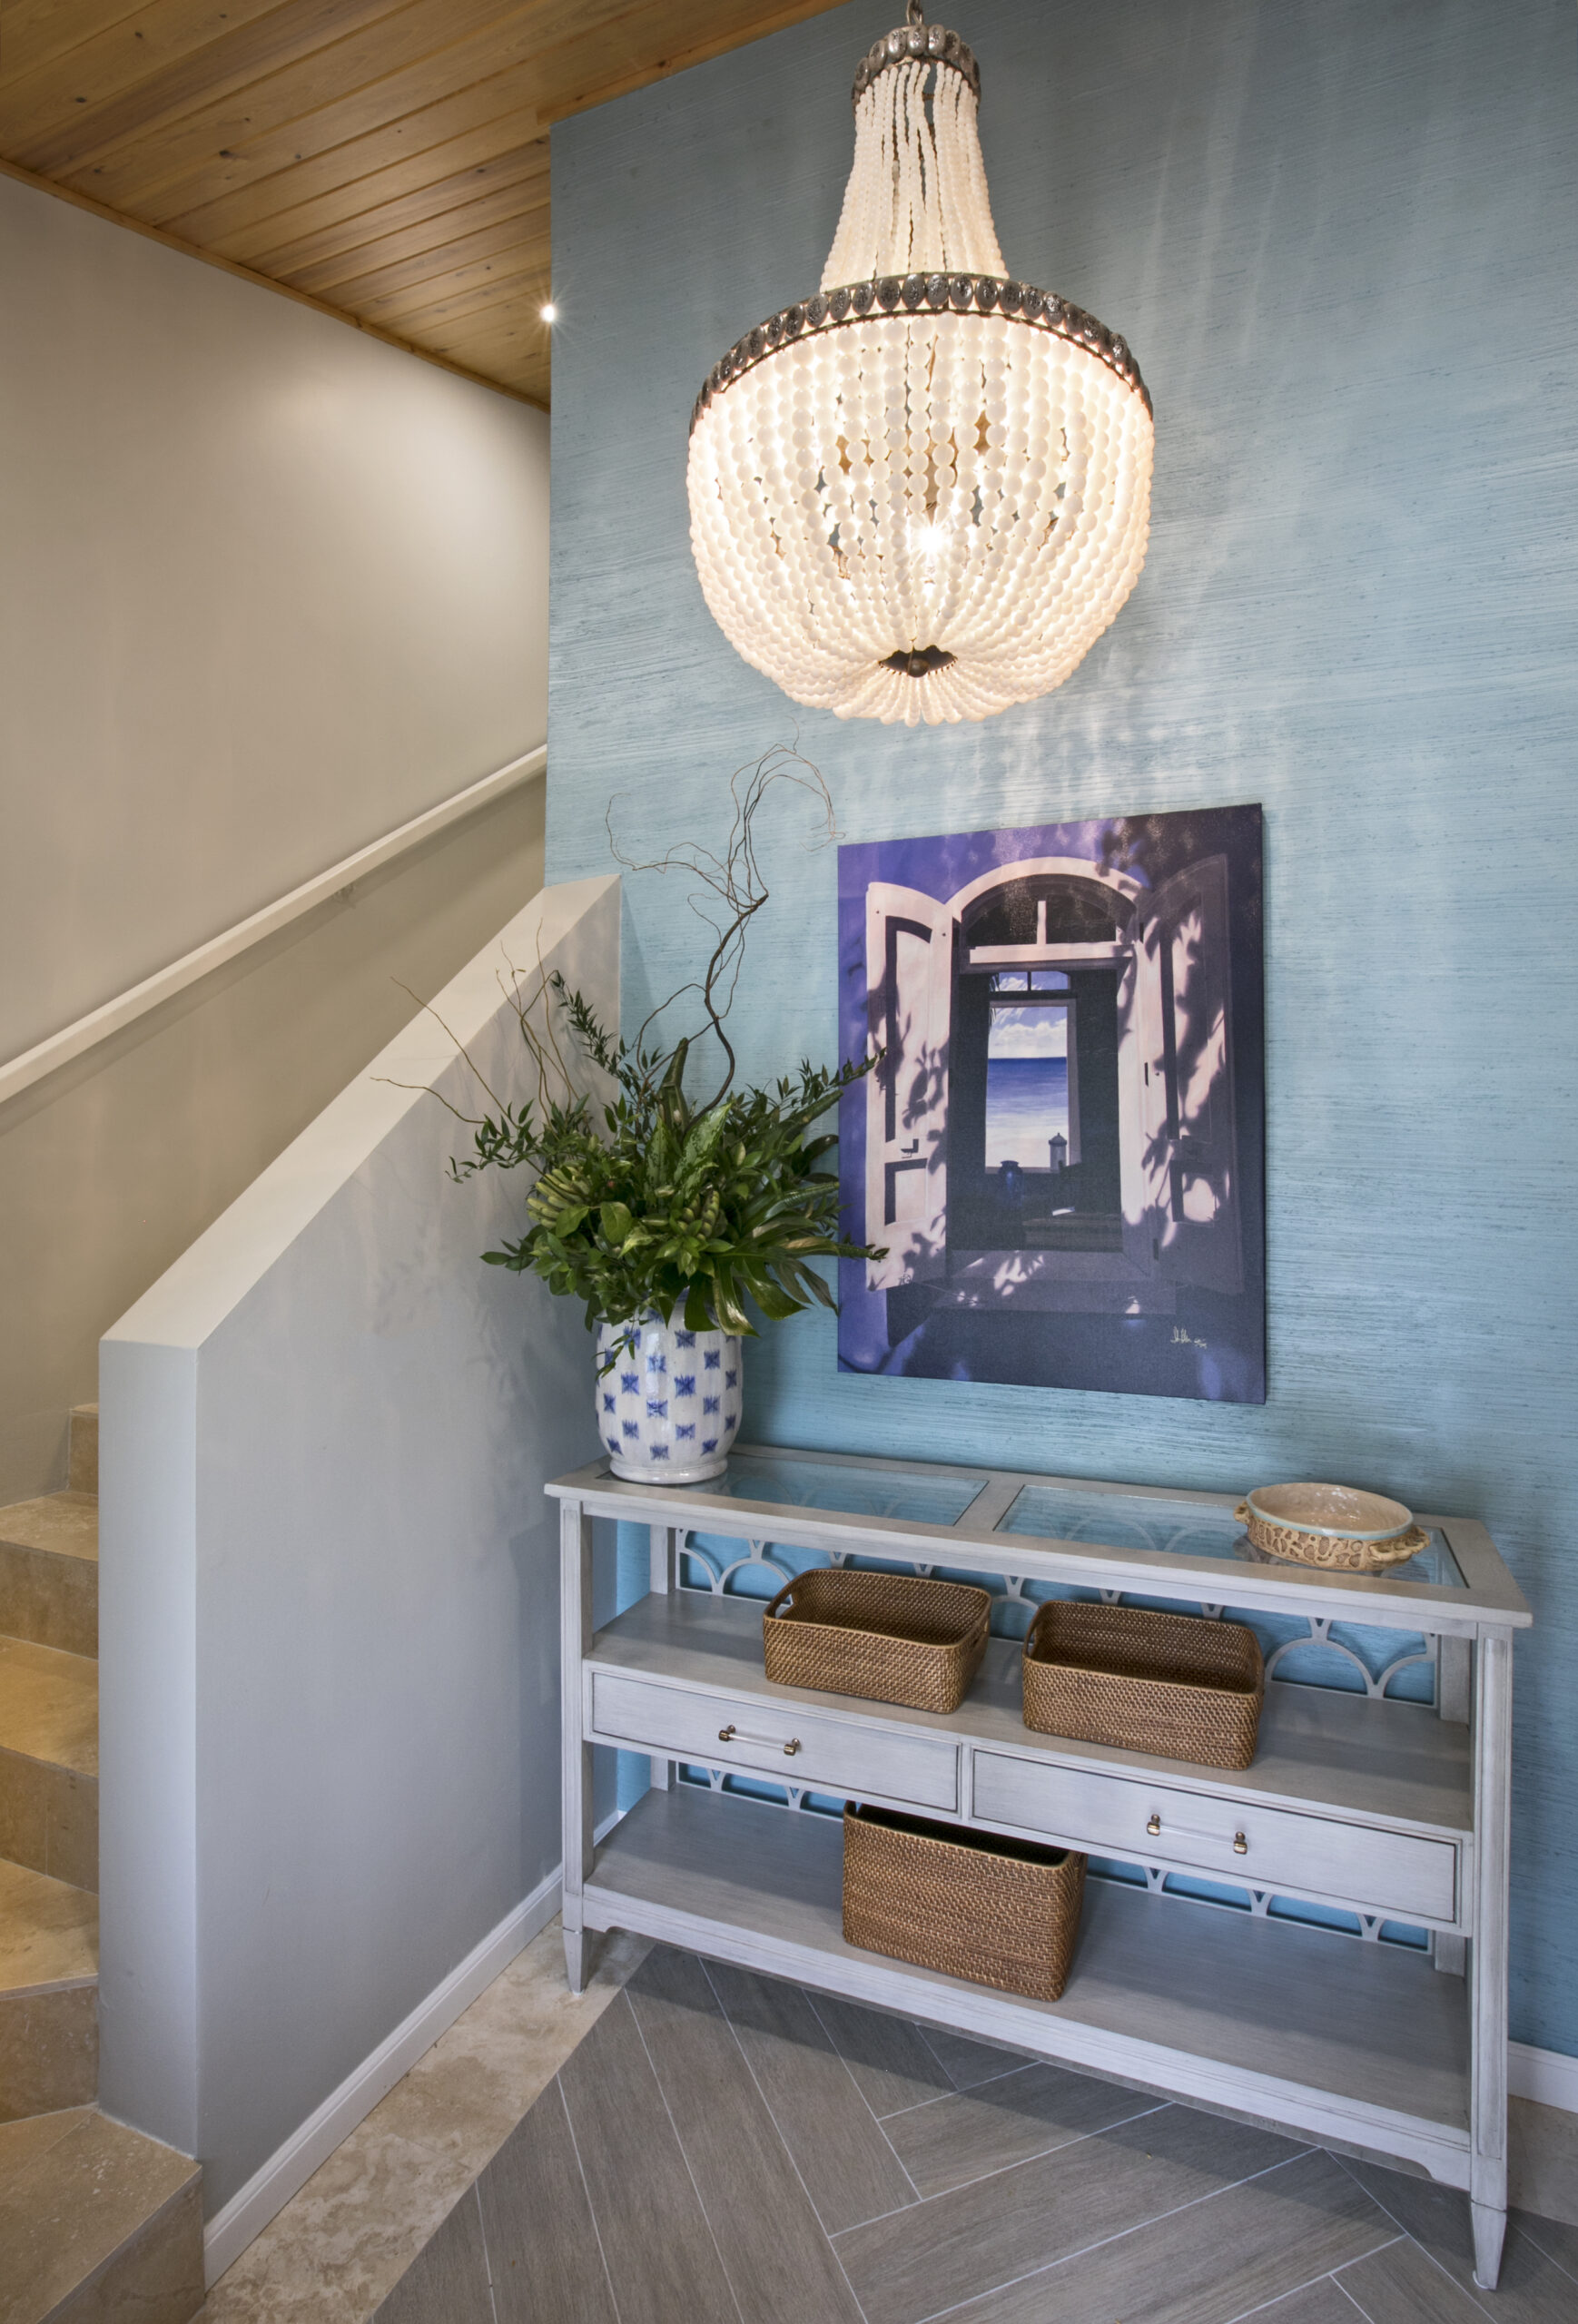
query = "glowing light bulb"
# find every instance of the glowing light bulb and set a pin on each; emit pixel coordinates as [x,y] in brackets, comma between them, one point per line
[550,313]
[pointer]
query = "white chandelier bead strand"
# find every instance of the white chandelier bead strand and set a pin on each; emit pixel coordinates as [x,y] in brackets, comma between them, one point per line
[923,494]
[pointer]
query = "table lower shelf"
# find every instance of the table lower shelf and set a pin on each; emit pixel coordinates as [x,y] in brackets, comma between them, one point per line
[1359,2043]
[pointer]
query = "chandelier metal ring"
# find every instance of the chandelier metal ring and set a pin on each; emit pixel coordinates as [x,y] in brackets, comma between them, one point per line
[854,302]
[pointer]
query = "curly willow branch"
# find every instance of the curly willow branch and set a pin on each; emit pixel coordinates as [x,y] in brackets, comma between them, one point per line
[736,882]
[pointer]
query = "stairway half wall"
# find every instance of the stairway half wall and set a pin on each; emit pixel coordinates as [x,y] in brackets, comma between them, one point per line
[329,1591]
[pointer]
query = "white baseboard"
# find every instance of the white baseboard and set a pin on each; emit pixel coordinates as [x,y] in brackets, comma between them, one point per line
[1548,2076]
[289,2168]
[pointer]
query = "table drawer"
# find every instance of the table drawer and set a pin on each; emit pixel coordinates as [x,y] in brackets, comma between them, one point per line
[867,1760]
[1257,1847]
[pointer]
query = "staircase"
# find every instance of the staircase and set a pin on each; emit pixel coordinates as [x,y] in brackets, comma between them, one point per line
[95,2220]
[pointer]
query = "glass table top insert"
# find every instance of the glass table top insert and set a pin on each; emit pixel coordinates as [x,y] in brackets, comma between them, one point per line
[914,1498]
[1048,1513]
[1115,1521]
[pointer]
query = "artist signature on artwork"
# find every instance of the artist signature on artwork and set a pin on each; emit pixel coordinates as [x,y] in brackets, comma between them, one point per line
[1181,1338]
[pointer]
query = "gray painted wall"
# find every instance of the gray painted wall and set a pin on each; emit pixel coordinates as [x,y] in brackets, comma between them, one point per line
[268,588]
[1339,235]
[113,1166]
[330,1684]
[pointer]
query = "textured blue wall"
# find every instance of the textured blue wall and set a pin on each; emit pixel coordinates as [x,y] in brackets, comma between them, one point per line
[1339,235]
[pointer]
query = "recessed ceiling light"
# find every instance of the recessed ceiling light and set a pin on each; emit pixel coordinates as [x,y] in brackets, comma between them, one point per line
[550,313]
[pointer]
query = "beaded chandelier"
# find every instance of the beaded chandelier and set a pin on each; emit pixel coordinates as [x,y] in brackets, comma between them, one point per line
[925,492]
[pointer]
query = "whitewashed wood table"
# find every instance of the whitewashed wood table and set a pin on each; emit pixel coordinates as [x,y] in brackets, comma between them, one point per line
[1319,1942]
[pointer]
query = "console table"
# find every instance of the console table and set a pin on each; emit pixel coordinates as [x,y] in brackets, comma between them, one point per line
[1319,1942]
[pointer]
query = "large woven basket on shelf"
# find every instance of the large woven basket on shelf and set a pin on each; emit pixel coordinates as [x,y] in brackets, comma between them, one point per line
[999,1912]
[892,1638]
[1175,1685]
[1338,1553]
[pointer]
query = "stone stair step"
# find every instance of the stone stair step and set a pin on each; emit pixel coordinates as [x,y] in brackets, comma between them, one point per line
[84,1473]
[49,1965]
[49,1761]
[49,1572]
[96,2222]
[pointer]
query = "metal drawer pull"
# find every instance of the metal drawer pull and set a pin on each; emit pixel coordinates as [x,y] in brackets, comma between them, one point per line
[1153,1827]
[732,1734]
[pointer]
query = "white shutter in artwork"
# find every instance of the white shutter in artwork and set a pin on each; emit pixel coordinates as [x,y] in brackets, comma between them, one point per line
[909,954]
[1189,1232]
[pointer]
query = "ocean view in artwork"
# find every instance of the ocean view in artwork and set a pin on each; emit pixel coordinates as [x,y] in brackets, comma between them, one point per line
[1026,1104]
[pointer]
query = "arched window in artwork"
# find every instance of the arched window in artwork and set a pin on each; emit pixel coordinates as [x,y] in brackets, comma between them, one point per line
[1055,1110]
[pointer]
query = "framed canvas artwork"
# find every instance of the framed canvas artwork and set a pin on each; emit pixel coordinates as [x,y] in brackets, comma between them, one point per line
[1062,1150]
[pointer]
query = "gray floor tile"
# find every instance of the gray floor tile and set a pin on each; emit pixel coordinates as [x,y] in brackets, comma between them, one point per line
[1219,2258]
[1532,2290]
[893,2065]
[779,2261]
[662,2259]
[1018,2115]
[543,2253]
[1403,2285]
[1553,2237]
[848,2166]
[1542,2160]
[446,2282]
[967,2062]
[999,2230]
[1321,2303]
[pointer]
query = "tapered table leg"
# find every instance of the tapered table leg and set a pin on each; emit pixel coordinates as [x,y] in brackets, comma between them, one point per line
[1492,1718]
[575,1635]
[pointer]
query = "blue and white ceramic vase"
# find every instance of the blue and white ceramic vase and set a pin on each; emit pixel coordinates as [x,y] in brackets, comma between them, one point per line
[669,1406]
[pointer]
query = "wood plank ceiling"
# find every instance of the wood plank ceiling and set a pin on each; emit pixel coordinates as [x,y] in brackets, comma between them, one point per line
[388,161]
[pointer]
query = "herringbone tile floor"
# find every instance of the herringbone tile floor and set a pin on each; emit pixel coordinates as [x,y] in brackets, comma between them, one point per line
[725,2149]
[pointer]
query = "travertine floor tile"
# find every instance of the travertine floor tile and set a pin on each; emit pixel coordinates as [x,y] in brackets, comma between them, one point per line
[75,2203]
[49,1572]
[84,1450]
[49,1706]
[156,2278]
[49,1933]
[66,1523]
[20,2142]
[49,1819]
[48,1599]
[339,2246]
[49,2050]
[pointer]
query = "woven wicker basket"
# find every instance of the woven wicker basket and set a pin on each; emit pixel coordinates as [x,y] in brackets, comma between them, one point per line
[998,1912]
[893,1638]
[1175,1685]
[1338,1553]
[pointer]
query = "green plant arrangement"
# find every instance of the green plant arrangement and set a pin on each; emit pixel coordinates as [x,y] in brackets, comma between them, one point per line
[667,1203]
[645,1202]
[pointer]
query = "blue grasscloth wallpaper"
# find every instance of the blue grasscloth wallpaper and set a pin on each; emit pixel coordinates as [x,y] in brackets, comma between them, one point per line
[1339,235]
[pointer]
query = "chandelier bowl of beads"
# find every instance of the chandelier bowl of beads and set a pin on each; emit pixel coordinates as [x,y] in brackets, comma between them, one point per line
[924,492]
